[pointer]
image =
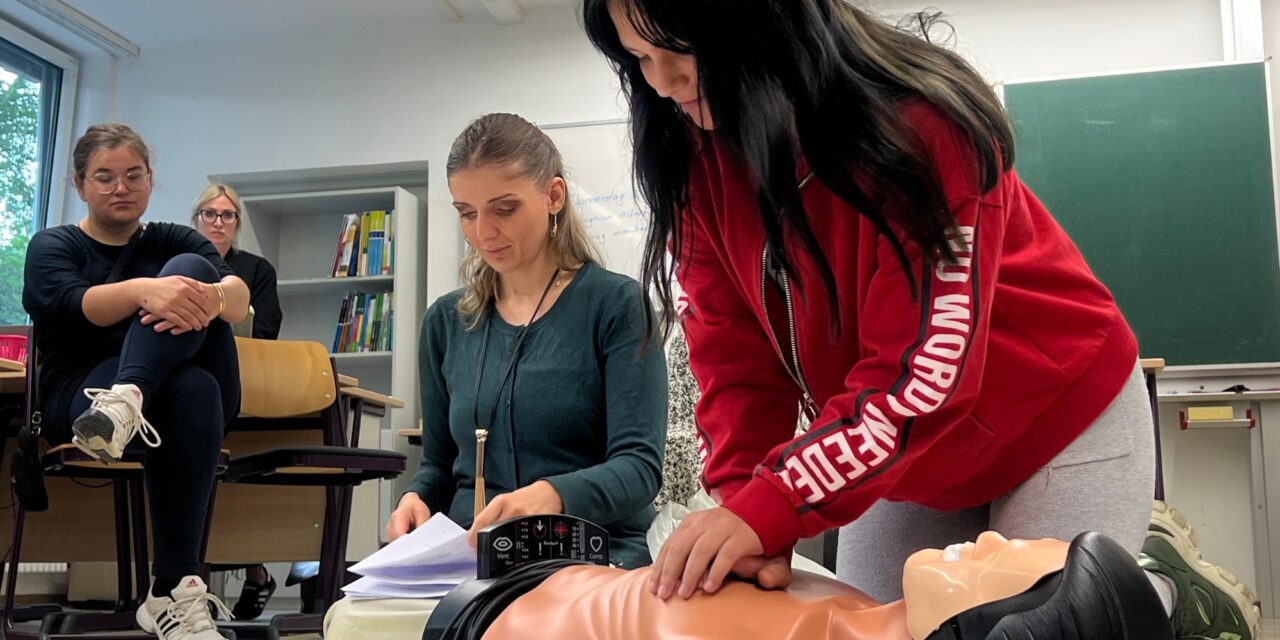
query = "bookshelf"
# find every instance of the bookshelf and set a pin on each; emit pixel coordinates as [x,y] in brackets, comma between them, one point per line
[336,286]
[294,219]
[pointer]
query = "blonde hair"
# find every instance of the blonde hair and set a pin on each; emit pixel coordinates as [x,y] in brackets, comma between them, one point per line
[213,192]
[509,141]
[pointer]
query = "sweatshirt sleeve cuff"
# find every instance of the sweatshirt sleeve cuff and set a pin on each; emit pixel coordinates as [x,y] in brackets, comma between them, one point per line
[769,512]
[573,490]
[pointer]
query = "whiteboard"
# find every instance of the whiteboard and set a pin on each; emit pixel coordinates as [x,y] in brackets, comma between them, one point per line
[597,158]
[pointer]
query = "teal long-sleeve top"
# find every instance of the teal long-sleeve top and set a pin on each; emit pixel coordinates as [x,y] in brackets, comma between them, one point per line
[585,408]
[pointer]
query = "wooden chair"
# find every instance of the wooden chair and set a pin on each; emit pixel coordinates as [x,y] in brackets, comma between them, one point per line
[290,441]
[65,533]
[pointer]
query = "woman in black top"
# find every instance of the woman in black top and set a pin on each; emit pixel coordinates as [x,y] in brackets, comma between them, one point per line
[216,215]
[131,323]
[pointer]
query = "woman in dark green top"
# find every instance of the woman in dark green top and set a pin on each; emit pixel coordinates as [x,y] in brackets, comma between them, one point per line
[544,350]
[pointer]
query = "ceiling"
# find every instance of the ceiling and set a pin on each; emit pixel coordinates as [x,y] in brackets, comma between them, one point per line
[163,23]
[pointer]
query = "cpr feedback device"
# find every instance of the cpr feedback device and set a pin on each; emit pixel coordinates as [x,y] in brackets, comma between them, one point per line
[511,543]
[512,557]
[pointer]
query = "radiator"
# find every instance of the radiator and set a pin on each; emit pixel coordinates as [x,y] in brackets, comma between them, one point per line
[42,567]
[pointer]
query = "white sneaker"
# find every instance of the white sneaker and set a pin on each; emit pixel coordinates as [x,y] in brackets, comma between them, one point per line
[185,616]
[111,421]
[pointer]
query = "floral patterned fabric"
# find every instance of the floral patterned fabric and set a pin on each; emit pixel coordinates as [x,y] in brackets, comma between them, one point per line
[681,467]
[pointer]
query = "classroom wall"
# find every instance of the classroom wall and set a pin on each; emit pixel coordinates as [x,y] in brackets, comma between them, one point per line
[359,89]
[1038,38]
[354,91]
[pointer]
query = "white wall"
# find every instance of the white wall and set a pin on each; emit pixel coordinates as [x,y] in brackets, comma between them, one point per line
[356,91]
[361,87]
[1037,38]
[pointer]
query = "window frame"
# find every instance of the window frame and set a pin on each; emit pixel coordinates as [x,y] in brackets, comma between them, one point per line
[51,197]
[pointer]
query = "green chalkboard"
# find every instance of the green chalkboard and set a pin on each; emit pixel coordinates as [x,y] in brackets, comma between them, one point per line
[1164,181]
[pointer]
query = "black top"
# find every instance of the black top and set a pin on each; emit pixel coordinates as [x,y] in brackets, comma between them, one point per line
[261,278]
[62,264]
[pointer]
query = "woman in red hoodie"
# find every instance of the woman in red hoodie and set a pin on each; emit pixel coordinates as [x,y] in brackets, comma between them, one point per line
[851,238]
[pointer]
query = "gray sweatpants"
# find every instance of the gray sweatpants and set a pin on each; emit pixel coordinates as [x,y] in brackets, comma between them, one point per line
[1102,482]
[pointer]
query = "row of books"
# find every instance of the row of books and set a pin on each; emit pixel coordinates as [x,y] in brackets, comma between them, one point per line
[365,323]
[366,245]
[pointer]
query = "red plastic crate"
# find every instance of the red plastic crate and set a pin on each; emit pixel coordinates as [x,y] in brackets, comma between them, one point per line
[13,347]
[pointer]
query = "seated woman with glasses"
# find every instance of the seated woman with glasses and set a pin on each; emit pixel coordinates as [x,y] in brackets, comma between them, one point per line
[216,215]
[540,390]
[131,323]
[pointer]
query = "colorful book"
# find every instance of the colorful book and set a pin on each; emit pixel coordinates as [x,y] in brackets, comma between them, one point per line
[391,257]
[362,268]
[353,331]
[389,236]
[391,319]
[351,224]
[337,255]
[342,323]
[375,242]
[375,332]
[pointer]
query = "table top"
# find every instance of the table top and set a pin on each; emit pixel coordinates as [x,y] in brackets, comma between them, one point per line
[373,397]
[14,382]
[1220,397]
[414,435]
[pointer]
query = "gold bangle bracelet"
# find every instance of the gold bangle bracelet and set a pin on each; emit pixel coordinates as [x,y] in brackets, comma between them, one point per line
[222,298]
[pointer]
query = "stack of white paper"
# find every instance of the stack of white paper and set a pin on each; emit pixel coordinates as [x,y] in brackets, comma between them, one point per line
[426,563]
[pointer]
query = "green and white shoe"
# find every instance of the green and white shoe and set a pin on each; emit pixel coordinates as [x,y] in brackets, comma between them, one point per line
[1211,602]
[1169,521]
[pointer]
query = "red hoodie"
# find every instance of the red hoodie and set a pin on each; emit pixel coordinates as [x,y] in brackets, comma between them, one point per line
[948,398]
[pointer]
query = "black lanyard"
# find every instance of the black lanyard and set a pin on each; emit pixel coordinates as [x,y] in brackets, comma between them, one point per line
[515,354]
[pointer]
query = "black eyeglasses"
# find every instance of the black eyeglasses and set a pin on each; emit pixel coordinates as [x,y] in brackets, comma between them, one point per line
[209,215]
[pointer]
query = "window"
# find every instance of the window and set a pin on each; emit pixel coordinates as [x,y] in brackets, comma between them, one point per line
[36,86]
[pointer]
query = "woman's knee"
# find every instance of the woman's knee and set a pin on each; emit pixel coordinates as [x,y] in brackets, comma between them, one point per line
[192,266]
[193,397]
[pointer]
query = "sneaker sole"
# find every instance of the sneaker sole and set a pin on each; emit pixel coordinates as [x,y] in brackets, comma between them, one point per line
[1169,520]
[96,447]
[1185,541]
[1224,580]
[144,620]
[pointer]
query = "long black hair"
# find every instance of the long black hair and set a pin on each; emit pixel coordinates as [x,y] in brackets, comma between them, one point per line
[784,78]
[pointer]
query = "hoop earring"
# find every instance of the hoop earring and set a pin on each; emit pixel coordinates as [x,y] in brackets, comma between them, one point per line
[555,225]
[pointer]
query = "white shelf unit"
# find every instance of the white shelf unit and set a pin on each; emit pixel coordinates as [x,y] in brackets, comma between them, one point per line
[367,358]
[313,286]
[293,219]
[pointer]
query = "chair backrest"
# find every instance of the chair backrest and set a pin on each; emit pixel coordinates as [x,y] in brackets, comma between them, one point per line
[280,380]
[284,378]
[244,328]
